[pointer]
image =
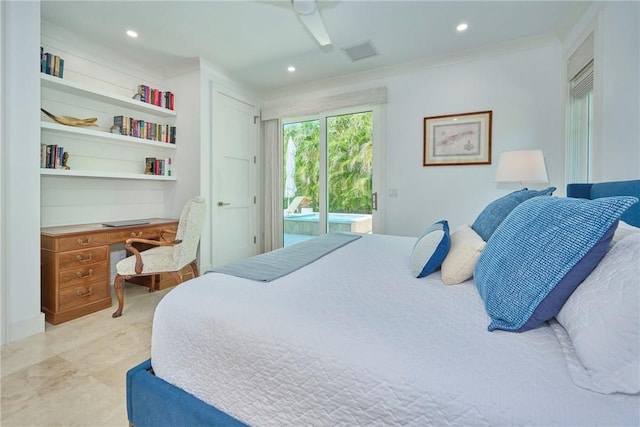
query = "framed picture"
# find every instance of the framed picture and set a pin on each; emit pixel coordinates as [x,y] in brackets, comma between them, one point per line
[457,139]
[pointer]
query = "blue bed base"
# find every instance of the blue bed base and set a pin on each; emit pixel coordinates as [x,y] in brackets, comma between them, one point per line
[153,402]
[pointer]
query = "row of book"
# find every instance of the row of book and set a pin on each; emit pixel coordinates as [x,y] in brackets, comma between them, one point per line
[51,156]
[51,64]
[155,166]
[156,97]
[145,130]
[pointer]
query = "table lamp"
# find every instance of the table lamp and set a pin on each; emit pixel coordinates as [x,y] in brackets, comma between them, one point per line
[522,166]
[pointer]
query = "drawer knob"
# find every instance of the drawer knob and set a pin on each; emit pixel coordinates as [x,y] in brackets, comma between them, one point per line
[138,234]
[83,276]
[87,259]
[85,294]
[84,243]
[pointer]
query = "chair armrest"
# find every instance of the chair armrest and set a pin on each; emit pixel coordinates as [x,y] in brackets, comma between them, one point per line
[171,232]
[128,244]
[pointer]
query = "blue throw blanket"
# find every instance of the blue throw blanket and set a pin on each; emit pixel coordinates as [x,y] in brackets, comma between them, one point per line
[278,263]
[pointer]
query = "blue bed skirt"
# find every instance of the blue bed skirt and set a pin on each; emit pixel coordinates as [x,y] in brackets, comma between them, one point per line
[153,402]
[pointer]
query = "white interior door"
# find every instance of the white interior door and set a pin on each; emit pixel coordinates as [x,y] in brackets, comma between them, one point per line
[234,194]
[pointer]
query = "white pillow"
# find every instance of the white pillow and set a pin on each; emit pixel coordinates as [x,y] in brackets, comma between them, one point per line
[623,231]
[602,318]
[466,247]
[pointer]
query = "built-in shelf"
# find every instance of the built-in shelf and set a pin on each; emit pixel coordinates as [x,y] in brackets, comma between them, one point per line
[94,145]
[104,174]
[106,136]
[87,92]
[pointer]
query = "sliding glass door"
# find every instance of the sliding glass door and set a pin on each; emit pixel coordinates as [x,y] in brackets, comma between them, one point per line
[328,175]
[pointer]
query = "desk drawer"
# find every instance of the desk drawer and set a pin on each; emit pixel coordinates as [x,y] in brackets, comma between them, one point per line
[150,233]
[84,257]
[82,241]
[84,275]
[78,296]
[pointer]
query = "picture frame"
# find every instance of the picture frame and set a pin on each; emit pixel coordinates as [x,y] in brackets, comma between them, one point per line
[457,139]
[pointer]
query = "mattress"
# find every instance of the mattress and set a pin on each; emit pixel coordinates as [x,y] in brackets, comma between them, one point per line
[354,339]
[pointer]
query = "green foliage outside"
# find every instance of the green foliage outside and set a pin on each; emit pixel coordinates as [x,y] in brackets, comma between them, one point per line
[350,165]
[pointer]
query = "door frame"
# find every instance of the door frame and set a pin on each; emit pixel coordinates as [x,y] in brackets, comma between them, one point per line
[207,152]
[379,159]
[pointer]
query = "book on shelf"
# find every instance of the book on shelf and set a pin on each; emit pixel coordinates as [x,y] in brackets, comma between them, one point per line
[51,156]
[164,99]
[155,166]
[145,130]
[51,64]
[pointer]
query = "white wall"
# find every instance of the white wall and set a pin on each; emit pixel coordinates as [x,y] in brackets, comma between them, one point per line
[522,88]
[20,278]
[620,106]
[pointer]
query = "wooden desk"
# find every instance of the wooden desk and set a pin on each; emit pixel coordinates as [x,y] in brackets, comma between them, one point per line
[75,277]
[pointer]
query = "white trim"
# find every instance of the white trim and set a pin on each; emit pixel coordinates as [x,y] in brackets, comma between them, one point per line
[25,328]
[468,55]
[21,179]
[307,107]
[3,204]
[595,167]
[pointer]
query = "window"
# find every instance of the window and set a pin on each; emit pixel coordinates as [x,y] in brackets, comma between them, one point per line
[579,135]
[580,113]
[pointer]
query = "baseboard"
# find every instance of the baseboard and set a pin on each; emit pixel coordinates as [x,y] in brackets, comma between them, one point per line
[26,328]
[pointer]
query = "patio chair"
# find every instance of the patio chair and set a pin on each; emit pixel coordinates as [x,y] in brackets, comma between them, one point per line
[293,205]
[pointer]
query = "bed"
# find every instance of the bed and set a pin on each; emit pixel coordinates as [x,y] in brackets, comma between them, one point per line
[357,338]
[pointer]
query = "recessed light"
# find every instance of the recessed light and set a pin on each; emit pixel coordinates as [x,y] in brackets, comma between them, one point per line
[132,34]
[462,27]
[291,68]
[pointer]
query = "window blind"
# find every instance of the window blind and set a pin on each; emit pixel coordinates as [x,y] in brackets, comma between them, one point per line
[582,83]
[580,58]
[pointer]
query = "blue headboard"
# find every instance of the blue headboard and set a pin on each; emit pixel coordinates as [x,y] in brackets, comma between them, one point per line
[607,189]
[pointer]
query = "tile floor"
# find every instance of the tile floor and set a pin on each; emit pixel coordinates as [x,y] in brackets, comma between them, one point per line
[73,374]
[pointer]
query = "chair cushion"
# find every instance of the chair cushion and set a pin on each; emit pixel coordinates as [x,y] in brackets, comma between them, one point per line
[155,260]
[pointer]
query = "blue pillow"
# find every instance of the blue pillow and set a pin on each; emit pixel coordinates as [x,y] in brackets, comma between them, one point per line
[540,254]
[496,211]
[430,249]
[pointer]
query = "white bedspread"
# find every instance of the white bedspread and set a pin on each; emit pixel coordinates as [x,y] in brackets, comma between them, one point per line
[354,339]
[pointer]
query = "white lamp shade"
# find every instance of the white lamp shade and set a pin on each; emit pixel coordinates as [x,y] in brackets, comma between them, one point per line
[522,166]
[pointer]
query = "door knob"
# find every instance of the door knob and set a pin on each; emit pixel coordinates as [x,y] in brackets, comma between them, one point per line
[223,204]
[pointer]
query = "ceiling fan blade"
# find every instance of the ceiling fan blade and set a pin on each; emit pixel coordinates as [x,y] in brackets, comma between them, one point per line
[314,24]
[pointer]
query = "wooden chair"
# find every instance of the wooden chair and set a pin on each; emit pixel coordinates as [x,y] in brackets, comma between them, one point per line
[167,255]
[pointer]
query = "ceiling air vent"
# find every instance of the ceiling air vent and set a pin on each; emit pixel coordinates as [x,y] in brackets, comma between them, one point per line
[361,51]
